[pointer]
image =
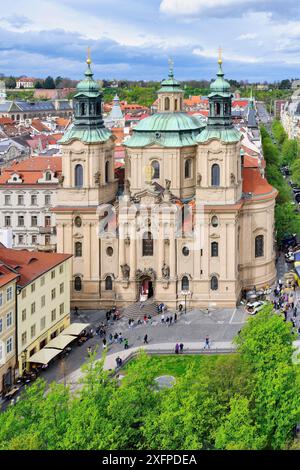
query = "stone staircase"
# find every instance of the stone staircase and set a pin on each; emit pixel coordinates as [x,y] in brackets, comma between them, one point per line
[139,309]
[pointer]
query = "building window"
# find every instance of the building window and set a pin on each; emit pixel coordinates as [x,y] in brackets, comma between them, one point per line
[53,294]
[215,175]
[33,239]
[20,239]
[147,244]
[33,199]
[7,221]
[185,251]
[24,338]
[43,301]
[43,281]
[9,319]
[53,314]
[78,249]
[155,170]
[47,239]
[175,105]
[33,221]
[23,293]
[47,200]
[61,269]
[9,293]
[167,103]
[48,176]
[53,274]
[108,283]
[259,246]
[106,172]
[1,326]
[185,283]
[188,168]
[1,299]
[9,345]
[32,331]
[43,323]
[214,249]
[24,314]
[77,283]
[32,308]
[214,221]
[20,200]
[61,309]
[78,176]
[214,283]
[33,287]
[109,251]
[7,200]
[61,288]
[48,221]
[21,220]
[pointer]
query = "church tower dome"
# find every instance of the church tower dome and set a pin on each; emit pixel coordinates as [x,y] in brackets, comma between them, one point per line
[170,94]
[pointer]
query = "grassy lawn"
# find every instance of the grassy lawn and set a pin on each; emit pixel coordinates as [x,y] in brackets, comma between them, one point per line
[177,365]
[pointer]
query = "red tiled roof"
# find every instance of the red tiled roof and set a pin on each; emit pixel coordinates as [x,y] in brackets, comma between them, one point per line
[240,103]
[32,169]
[6,275]
[30,264]
[39,126]
[6,121]
[254,183]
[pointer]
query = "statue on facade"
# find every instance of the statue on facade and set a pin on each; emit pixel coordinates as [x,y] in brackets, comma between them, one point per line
[168,184]
[232,178]
[165,271]
[199,178]
[125,270]
[61,179]
[127,187]
[97,177]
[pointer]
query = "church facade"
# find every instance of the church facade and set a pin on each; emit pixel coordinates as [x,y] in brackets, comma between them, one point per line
[195,221]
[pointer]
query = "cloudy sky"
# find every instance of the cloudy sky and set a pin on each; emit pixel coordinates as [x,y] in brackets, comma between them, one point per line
[134,38]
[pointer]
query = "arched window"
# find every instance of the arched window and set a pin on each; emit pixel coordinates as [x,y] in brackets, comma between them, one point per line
[217,109]
[175,105]
[215,175]
[167,103]
[78,249]
[188,168]
[214,283]
[147,244]
[48,176]
[214,249]
[185,283]
[108,283]
[78,176]
[155,170]
[82,109]
[77,283]
[107,172]
[259,246]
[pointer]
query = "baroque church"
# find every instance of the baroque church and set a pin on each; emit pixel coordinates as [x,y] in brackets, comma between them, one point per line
[195,220]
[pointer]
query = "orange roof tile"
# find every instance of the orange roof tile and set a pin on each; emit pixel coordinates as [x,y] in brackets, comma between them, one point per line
[31,169]
[254,183]
[30,264]
[6,275]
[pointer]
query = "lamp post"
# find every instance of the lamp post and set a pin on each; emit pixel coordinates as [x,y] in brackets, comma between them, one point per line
[185,293]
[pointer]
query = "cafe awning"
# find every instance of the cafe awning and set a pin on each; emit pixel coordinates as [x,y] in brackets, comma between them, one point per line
[60,342]
[75,329]
[44,355]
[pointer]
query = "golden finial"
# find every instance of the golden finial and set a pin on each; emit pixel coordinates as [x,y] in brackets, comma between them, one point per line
[220,56]
[88,60]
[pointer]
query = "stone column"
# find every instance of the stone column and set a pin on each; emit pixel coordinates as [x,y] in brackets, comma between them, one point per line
[161,244]
[172,255]
[121,249]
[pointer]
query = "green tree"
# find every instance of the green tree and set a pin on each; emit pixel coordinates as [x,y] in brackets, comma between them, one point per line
[10,82]
[290,151]
[287,221]
[38,84]
[49,83]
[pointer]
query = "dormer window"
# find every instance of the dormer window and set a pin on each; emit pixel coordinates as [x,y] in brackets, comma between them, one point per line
[48,176]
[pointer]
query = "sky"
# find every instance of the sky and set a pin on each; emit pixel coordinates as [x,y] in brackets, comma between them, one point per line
[133,39]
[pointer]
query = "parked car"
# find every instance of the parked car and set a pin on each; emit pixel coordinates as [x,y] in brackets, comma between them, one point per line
[253,307]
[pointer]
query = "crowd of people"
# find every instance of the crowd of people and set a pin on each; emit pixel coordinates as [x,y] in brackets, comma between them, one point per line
[285,303]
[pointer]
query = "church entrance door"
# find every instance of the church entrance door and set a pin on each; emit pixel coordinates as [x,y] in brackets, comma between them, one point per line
[146,288]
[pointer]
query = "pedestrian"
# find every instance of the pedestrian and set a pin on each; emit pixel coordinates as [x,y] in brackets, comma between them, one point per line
[180,308]
[167,320]
[118,361]
[181,347]
[76,311]
[120,338]
[175,317]
[146,339]
[206,344]
[116,337]
[89,350]
[104,343]
[125,343]
[145,319]
[171,320]
[163,318]
[295,312]
[177,348]
[110,339]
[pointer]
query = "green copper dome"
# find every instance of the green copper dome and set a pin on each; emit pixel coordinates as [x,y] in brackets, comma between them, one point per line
[88,86]
[167,130]
[220,86]
[170,84]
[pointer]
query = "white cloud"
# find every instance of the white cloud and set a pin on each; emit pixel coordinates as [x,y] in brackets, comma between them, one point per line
[190,7]
[247,36]
[228,56]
